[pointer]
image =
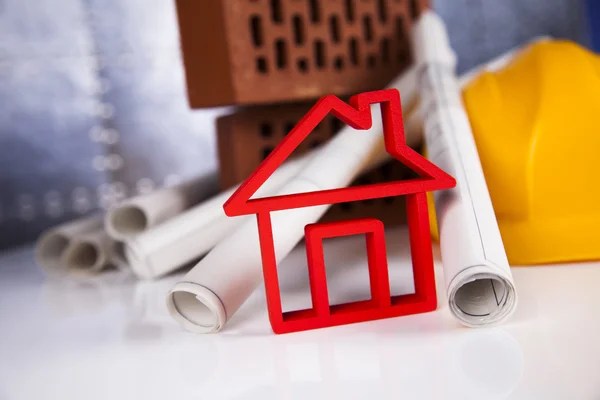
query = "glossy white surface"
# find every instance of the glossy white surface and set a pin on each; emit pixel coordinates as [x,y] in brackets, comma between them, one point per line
[111,338]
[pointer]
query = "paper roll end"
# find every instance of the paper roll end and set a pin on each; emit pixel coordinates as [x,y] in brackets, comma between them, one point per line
[126,221]
[196,308]
[84,258]
[482,299]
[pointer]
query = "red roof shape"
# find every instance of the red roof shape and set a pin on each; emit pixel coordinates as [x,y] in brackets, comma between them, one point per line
[357,114]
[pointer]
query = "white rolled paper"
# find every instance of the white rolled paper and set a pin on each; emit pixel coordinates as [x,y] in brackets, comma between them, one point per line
[219,284]
[480,286]
[52,244]
[140,213]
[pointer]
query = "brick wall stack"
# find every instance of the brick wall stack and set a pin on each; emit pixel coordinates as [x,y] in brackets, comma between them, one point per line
[274,58]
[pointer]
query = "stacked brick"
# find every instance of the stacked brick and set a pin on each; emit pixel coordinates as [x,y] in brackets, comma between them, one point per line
[274,58]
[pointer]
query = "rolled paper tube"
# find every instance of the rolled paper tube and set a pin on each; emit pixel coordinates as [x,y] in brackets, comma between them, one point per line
[88,254]
[480,286]
[220,283]
[52,244]
[140,213]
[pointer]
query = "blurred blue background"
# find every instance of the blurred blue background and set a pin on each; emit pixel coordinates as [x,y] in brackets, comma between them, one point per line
[593,21]
[93,106]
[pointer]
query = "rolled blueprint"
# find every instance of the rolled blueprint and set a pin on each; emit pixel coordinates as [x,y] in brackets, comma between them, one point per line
[188,236]
[140,213]
[479,283]
[88,253]
[52,244]
[211,293]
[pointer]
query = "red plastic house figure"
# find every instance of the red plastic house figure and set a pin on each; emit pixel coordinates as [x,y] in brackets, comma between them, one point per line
[382,304]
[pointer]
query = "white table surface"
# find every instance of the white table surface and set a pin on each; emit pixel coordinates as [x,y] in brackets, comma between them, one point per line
[111,338]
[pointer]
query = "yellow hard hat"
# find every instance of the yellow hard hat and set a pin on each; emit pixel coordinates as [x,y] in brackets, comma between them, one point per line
[536,123]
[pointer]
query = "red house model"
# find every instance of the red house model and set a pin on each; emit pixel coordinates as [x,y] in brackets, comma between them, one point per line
[357,114]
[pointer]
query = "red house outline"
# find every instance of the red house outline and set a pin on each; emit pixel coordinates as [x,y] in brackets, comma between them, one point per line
[357,114]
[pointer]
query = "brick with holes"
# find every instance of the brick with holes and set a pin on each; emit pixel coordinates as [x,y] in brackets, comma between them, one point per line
[246,136]
[268,51]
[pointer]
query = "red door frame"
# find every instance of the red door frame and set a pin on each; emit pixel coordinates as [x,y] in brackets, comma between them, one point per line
[381,305]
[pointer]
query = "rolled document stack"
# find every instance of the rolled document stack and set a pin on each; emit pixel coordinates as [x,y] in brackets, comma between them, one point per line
[91,244]
[479,283]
